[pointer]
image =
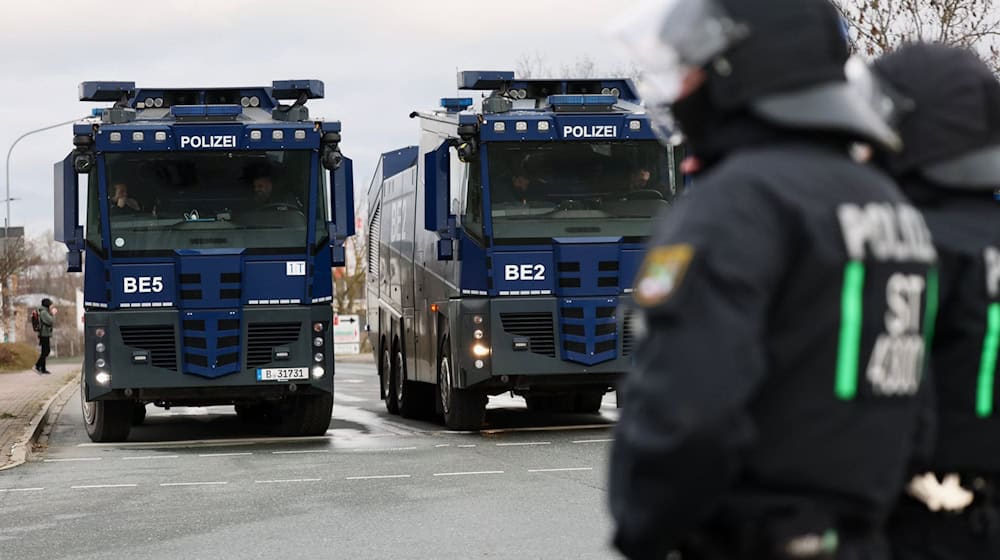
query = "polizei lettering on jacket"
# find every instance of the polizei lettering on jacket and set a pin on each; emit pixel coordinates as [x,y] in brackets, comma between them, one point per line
[590,131]
[897,233]
[206,141]
[886,233]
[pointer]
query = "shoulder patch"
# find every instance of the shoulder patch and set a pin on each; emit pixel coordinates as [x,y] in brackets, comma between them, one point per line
[661,273]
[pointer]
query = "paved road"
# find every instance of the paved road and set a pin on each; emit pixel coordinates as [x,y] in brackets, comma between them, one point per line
[197,483]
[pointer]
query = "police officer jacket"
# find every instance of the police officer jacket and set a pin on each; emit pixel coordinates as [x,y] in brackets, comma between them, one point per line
[783,302]
[967,334]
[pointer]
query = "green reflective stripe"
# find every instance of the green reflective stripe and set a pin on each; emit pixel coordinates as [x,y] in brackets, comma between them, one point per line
[851,303]
[988,363]
[930,311]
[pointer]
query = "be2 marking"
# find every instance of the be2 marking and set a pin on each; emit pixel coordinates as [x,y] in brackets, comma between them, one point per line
[533,272]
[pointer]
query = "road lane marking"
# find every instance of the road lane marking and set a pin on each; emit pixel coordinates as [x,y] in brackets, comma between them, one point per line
[358,449]
[21,489]
[544,428]
[592,440]
[224,454]
[467,473]
[192,483]
[150,457]
[206,442]
[73,460]
[300,451]
[521,443]
[351,381]
[566,469]
[467,445]
[377,477]
[279,481]
[443,445]
[88,486]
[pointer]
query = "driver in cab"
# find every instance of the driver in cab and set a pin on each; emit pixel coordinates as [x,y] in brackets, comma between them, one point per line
[264,195]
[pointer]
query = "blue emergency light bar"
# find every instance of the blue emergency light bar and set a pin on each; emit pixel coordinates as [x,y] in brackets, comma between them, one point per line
[105,91]
[291,89]
[586,100]
[180,111]
[483,80]
[456,103]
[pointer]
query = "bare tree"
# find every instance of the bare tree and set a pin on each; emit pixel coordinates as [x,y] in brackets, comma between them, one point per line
[880,26]
[16,256]
[349,281]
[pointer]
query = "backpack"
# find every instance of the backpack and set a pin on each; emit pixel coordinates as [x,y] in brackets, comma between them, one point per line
[36,321]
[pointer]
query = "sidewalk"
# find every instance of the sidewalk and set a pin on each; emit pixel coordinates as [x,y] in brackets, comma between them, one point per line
[22,395]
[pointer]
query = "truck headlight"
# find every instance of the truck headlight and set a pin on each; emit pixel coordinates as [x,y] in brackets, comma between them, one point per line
[318,372]
[103,377]
[480,350]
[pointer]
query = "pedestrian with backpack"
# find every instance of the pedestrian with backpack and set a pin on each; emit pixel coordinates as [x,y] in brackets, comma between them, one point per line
[41,321]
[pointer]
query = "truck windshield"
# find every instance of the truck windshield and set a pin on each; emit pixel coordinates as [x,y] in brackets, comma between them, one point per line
[570,189]
[208,200]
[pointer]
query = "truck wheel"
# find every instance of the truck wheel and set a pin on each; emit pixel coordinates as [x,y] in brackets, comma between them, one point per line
[462,409]
[138,413]
[414,399]
[388,382]
[307,415]
[251,413]
[588,402]
[317,410]
[106,421]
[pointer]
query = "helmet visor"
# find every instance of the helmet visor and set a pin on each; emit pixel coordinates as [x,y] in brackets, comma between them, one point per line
[888,103]
[668,39]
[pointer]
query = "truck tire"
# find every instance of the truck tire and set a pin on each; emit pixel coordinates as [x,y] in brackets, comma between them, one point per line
[106,421]
[251,413]
[588,402]
[138,413]
[307,415]
[388,381]
[462,409]
[414,399]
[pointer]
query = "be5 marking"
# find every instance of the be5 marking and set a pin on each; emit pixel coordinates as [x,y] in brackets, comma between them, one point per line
[142,284]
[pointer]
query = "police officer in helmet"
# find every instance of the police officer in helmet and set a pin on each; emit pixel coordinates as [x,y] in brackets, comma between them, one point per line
[950,168]
[775,401]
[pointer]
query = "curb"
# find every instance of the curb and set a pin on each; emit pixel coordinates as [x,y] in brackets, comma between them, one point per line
[19,451]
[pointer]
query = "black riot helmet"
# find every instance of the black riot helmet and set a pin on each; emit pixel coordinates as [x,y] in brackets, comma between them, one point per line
[780,60]
[952,132]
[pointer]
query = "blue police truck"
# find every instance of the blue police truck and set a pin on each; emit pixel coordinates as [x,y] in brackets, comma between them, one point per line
[213,218]
[503,247]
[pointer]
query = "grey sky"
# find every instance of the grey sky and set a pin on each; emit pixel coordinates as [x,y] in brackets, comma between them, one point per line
[379,59]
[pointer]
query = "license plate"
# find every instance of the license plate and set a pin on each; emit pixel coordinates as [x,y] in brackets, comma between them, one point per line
[282,374]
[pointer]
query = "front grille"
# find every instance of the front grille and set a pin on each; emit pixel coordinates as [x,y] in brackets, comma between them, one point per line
[263,337]
[158,340]
[536,326]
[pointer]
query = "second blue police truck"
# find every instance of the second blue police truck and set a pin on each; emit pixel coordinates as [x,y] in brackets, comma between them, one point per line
[213,218]
[502,249]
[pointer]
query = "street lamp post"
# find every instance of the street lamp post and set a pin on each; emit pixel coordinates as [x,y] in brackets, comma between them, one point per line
[6,221]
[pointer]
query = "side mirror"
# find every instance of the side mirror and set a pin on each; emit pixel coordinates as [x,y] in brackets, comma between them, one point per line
[67,228]
[437,215]
[437,178]
[342,209]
